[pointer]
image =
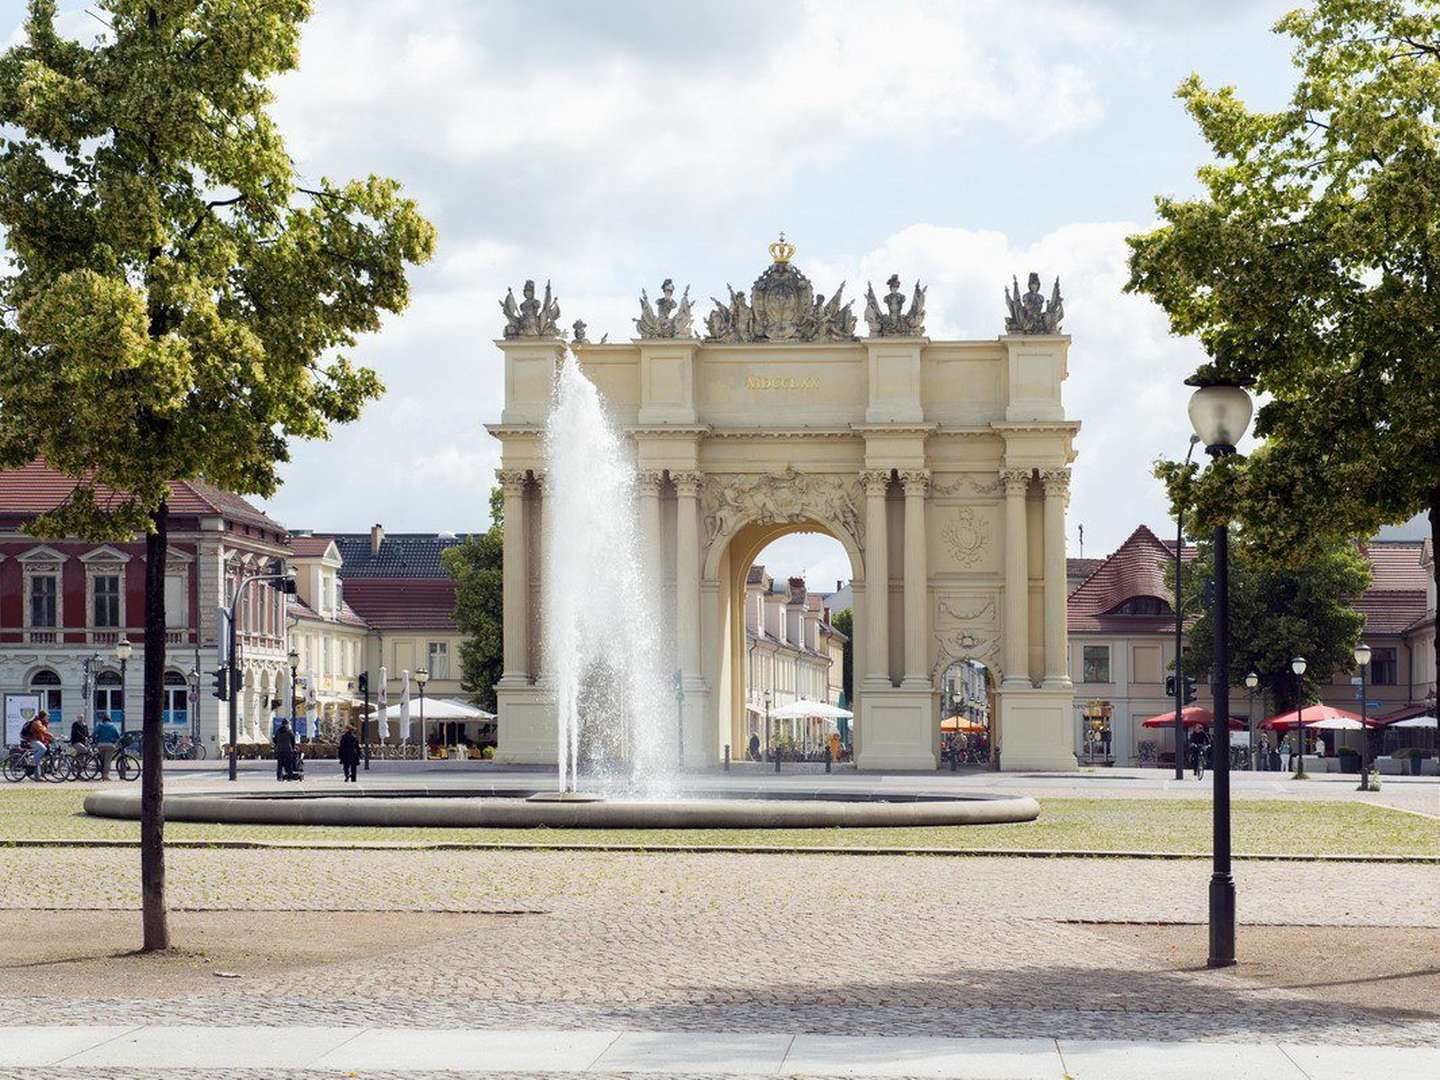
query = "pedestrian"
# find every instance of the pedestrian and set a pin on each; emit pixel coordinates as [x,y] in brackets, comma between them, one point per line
[350,754]
[107,742]
[284,742]
[79,731]
[754,747]
[35,736]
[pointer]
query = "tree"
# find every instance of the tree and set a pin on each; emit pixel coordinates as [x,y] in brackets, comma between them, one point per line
[176,295]
[1311,265]
[1277,613]
[477,566]
[844,621]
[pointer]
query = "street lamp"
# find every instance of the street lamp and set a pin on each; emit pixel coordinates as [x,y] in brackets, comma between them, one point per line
[294,657]
[1220,413]
[1251,682]
[1180,630]
[767,722]
[194,704]
[1298,666]
[680,714]
[422,676]
[1362,661]
[285,581]
[122,654]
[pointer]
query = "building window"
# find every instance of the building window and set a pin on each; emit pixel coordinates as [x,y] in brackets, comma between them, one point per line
[177,699]
[107,600]
[1096,664]
[110,697]
[1384,667]
[439,660]
[47,684]
[43,589]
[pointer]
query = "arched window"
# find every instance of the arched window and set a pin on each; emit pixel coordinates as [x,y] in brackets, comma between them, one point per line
[110,697]
[177,701]
[47,684]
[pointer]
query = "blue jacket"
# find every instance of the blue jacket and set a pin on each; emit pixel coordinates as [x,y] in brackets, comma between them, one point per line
[106,732]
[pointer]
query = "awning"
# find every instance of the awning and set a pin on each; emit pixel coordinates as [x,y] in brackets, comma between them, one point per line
[1191,716]
[1309,715]
[801,709]
[440,709]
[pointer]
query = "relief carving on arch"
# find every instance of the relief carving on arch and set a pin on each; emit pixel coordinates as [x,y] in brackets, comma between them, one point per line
[732,500]
[962,484]
[966,534]
[967,627]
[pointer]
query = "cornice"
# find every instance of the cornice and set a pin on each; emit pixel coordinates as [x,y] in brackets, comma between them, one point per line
[501,430]
[1071,426]
[670,431]
[895,429]
[782,433]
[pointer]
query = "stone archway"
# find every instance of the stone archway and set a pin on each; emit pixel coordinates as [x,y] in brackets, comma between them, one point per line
[942,466]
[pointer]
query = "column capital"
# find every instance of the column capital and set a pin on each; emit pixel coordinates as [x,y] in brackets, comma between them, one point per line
[687,483]
[512,480]
[916,481]
[648,482]
[875,481]
[1056,481]
[1016,481]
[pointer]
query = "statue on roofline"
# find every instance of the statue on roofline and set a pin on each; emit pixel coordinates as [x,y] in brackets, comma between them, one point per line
[531,317]
[1030,313]
[894,320]
[668,318]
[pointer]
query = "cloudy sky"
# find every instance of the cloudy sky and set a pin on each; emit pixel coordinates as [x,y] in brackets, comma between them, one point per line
[608,145]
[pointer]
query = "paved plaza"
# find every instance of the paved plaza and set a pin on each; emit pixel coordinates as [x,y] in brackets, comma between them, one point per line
[769,957]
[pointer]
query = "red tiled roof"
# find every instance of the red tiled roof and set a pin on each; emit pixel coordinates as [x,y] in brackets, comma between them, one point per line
[36,488]
[309,547]
[1135,569]
[403,603]
[301,610]
[1395,600]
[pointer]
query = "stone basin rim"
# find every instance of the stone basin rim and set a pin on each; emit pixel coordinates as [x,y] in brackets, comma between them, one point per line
[469,808]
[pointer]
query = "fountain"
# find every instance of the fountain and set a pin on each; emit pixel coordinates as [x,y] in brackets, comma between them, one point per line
[600,617]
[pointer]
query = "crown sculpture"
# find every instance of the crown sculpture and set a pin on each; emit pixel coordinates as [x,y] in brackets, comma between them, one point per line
[782,306]
[1030,314]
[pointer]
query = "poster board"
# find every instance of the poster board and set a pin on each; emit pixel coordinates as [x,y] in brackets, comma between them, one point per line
[19,709]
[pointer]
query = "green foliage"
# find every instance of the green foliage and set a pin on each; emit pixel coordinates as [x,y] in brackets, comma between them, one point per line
[844,621]
[477,566]
[1277,613]
[178,296]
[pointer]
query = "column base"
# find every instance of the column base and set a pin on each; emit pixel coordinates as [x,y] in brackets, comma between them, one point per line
[877,682]
[699,751]
[526,729]
[1057,682]
[1035,730]
[915,682]
[898,729]
[513,681]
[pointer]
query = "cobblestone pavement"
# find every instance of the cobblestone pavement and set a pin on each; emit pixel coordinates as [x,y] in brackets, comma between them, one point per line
[756,943]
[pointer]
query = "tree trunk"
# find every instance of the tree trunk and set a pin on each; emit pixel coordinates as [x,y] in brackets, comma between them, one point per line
[1435,573]
[155,915]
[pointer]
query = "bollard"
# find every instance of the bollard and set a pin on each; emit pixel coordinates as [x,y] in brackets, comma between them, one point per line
[727,757]
[827,759]
[777,759]
[954,759]
[366,750]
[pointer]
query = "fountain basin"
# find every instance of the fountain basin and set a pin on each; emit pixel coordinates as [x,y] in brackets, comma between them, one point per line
[490,808]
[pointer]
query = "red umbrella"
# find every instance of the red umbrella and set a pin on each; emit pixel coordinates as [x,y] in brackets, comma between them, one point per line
[1191,716]
[1286,720]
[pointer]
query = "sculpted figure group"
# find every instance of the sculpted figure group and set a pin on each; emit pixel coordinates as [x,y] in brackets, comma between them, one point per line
[531,317]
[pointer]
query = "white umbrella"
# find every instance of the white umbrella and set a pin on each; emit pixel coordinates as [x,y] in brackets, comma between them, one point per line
[405,703]
[1416,722]
[446,709]
[382,700]
[799,709]
[1336,723]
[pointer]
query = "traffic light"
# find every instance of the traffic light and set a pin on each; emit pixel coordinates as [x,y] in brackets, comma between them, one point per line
[220,679]
[363,682]
[1189,691]
[1169,685]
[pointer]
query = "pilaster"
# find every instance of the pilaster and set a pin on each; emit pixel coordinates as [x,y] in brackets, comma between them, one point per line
[1017,579]
[667,380]
[530,368]
[1036,366]
[516,583]
[894,368]
[1057,667]
[877,579]
[917,572]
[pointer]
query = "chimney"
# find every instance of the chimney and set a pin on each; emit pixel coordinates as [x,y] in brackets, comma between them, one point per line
[839,584]
[377,535]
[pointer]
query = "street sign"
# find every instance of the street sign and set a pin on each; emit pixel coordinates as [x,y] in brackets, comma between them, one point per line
[1373,704]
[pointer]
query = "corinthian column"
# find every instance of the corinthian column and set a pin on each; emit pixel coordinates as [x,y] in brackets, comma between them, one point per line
[917,572]
[1017,580]
[1057,666]
[687,571]
[877,580]
[515,633]
[647,487]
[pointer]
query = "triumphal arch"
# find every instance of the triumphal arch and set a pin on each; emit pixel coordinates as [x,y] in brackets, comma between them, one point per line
[941,466]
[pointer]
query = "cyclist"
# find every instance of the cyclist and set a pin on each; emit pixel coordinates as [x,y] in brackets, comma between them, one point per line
[35,736]
[1199,740]
[107,742]
[79,731]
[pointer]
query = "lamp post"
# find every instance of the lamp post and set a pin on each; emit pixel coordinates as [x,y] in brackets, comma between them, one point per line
[1220,412]
[1251,682]
[294,658]
[193,679]
[1362,661]
[122,654]
[1180,630]
[422,676]
[286,580]
[680,714]
[1298,666]
[767,723]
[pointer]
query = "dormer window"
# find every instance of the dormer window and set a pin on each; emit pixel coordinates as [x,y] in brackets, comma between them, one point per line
[1143,605]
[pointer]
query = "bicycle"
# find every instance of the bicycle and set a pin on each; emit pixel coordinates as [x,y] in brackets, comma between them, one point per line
[19,765]
[182,747]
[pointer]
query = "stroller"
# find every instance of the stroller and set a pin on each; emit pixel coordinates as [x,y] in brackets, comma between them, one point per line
[294,766]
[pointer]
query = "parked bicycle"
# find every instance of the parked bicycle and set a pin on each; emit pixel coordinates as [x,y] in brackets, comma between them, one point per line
[178,747]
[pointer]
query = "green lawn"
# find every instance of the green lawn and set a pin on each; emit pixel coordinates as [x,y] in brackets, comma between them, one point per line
[1261,827]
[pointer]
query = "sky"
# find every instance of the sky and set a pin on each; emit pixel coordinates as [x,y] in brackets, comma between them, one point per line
[606,146]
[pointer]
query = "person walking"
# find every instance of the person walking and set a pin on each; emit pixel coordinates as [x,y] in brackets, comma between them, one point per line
[79,731]
[107,742]
[350,754]
[284,742]
[754,747]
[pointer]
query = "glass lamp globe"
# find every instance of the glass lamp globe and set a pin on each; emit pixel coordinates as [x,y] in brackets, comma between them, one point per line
[422,676]
[122,649]
[1220,415]
[294,658]
[1362,654]
[1298,665]
[1252,680]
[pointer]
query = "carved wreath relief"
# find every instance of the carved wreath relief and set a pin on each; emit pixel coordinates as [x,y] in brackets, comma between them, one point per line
[966,534]
[730,501]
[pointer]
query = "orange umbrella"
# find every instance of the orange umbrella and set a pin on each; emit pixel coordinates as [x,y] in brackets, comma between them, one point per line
[958,723]
[1310,714]
[1191,716]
